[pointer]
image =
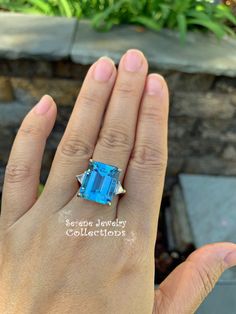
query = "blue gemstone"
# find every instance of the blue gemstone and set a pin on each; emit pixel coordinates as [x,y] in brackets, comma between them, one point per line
[99,182]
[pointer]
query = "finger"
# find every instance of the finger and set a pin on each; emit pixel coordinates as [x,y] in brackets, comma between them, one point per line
[23,169]
[77,144]
[146,170]
[116,137]
[190,283]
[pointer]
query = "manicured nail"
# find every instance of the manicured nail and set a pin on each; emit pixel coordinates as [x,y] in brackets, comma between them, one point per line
[103,69]
[154,84]
[43,105]
[230,259]
[133,60]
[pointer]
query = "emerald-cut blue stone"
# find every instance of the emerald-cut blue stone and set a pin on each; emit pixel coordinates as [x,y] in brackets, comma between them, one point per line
[99,182]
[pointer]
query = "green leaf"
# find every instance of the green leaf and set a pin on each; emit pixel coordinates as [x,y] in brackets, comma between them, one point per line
[41,5]
[78,10]
[229,31]
[210,25]
[18,7]
[223,12]
[66,8]
[199,15]
[182,26]
[199,8]
[172,20]
[180,6]
[98,21]
[165,10]
[102,23]
[147,22]
[101,20]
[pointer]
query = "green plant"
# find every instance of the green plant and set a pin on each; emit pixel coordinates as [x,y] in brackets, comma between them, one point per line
[40,188]
[47,7]
[154,14]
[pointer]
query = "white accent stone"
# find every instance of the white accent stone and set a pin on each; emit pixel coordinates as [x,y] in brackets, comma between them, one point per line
[80,177]
[119,189]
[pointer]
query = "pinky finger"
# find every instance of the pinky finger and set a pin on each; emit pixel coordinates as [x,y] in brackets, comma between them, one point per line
[23,169]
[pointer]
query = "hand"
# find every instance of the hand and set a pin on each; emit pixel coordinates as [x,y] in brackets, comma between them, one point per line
[42,269]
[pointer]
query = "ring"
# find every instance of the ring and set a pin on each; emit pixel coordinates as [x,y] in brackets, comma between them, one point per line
[100,183]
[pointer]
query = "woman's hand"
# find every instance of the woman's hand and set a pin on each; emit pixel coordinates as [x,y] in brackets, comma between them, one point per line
[120,118]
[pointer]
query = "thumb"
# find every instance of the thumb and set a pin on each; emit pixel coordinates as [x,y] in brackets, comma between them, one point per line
[188,285]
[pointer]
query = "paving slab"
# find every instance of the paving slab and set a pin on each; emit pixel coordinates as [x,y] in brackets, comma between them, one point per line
[220,301]
[200,53]
[35,36]
[210,204]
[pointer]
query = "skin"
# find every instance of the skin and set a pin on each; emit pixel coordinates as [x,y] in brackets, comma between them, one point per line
[120,118]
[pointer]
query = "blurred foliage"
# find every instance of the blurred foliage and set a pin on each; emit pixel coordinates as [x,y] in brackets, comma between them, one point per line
[40,189]
[153,14]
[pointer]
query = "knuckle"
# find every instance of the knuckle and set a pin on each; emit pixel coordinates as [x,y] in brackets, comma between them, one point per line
[154,113]
[114,139]
[163,301]
[72,146]
[16,172]
[131,259]
[125,90]
[30,130]
[208,279]
[146,155]
[90,99]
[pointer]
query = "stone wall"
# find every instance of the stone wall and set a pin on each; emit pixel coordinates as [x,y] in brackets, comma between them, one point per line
[202,127]
[202,83]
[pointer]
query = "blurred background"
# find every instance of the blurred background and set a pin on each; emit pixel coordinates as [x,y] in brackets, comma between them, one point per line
[46,47]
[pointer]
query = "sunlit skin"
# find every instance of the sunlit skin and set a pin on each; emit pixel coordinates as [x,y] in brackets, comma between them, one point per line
[120,118]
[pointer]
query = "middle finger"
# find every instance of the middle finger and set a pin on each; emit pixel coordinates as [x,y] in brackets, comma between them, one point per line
[117,135]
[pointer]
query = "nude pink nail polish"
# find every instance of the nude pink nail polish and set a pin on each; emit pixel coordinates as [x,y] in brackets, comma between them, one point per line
[43,105]
[103,69]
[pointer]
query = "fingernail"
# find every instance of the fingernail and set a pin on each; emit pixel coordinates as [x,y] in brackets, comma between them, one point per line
[154,84]
[133,60]
[230,259]
[43,105]
[103,69]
